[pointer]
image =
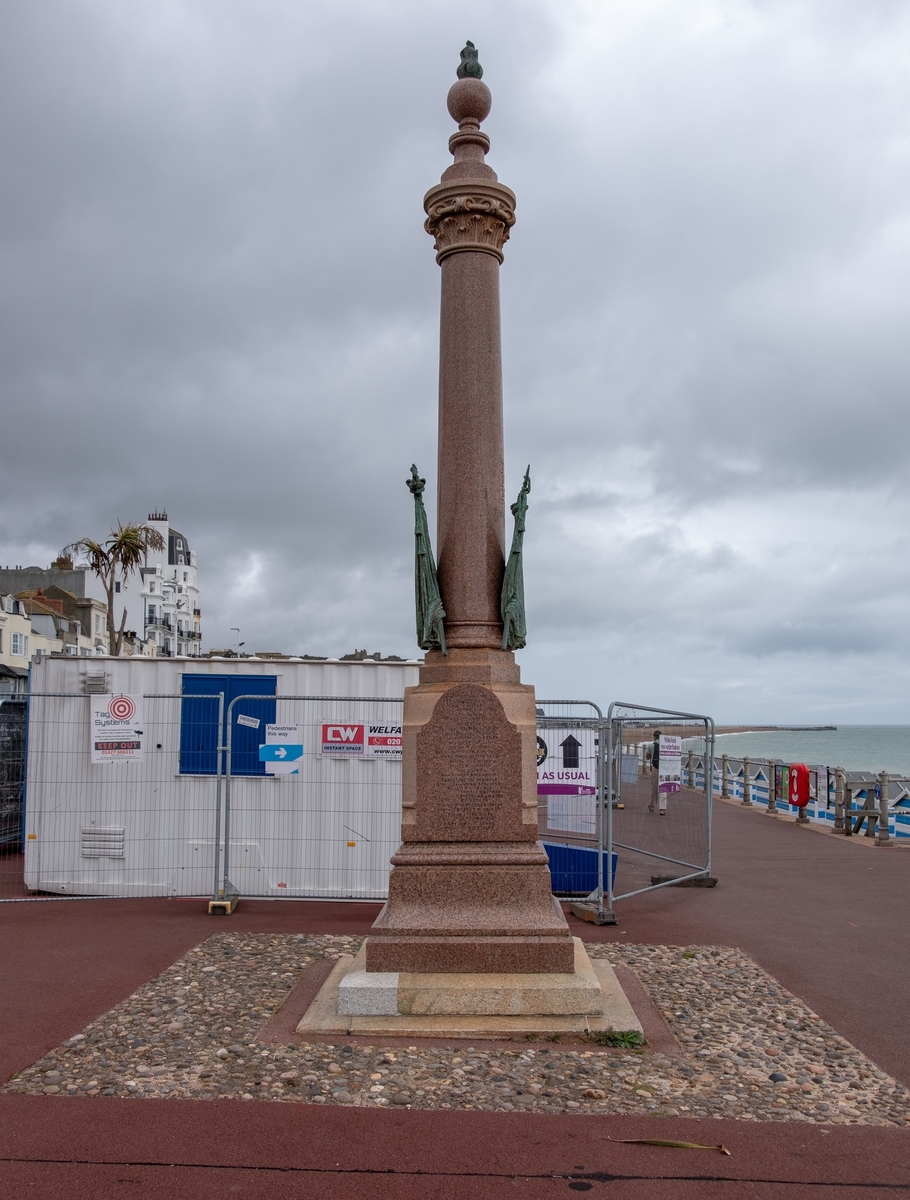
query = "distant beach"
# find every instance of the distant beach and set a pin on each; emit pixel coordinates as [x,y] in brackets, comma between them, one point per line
[631,737]
[855,747]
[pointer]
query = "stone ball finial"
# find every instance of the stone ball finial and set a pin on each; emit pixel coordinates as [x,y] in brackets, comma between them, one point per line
[469,100]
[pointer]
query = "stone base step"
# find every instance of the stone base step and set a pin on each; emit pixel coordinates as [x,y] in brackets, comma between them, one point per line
[323,1018]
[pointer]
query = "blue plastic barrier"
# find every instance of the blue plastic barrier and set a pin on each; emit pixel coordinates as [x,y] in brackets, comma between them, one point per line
[573,869]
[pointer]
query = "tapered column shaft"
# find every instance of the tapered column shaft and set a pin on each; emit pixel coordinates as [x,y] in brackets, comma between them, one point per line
[471,527]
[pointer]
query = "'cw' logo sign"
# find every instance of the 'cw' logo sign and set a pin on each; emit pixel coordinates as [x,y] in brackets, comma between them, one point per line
[344,733]
[343,739]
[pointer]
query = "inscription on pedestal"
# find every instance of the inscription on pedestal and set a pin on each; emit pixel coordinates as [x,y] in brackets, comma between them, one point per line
[468,771]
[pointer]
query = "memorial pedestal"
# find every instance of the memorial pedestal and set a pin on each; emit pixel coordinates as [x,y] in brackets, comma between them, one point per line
[470,885]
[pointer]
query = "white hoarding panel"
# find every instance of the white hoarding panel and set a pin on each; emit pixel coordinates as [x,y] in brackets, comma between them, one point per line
[149,828]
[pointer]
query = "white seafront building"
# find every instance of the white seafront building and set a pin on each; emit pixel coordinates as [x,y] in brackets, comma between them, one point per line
[162,598]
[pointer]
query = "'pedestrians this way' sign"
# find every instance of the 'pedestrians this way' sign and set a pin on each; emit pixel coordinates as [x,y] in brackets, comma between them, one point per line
[283,750]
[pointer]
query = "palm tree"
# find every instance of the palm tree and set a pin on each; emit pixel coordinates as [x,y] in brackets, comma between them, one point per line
[114,561]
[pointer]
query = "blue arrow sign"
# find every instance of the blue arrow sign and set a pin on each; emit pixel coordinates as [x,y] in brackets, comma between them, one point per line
[278,752]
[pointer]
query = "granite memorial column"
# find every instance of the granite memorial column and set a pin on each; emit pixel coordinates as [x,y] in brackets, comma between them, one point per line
[470,884]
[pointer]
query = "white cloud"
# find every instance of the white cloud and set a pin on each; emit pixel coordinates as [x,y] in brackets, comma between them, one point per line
[216,294]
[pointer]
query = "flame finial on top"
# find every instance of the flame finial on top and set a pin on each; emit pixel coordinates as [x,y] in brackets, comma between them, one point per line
[469,67]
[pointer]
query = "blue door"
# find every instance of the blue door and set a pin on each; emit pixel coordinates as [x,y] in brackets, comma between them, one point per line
[199,722]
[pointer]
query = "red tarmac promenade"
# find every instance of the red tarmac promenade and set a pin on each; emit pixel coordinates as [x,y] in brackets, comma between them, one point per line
[826,917]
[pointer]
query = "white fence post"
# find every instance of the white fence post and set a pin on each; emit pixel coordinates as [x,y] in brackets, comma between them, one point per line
[747,783]
[884,836]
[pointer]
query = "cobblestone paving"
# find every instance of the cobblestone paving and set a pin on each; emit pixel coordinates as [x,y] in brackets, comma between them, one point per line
[748,1049]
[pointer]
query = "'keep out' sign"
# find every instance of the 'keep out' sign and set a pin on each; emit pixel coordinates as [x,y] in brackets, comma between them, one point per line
[343,739]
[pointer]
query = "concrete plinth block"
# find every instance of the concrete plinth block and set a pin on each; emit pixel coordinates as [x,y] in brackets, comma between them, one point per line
[363,993]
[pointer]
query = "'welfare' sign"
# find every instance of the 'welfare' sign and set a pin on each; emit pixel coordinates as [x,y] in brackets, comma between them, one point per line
[384,741]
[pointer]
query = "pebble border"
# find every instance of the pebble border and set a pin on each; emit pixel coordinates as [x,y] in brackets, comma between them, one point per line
[748,1048]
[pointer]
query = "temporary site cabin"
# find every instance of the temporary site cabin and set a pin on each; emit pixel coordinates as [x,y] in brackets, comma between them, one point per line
[152,804]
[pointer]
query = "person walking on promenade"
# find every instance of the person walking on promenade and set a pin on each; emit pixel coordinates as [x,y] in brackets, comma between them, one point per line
[656,793]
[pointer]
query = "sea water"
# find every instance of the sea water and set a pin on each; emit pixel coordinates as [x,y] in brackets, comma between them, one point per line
[855,747]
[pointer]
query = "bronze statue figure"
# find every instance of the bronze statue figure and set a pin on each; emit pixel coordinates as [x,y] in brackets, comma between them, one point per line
[512,604]
[430,613]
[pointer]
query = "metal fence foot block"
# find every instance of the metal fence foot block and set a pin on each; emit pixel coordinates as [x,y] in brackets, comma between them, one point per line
[590,912]
[701,881]
[223,908]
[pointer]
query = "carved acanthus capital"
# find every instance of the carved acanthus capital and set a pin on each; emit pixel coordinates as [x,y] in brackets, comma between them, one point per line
[469,215]
[467,230]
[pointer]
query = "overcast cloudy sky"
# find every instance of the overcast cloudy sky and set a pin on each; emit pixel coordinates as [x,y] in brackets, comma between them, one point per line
[216,296]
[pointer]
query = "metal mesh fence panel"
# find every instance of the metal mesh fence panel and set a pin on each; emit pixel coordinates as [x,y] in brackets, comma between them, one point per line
[659,816]
[322,815]
[12,793]
[300,796]
[570,778]
[207,797]
[114,826]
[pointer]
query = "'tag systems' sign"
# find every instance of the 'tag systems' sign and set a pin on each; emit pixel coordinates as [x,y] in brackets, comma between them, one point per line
[117,728]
